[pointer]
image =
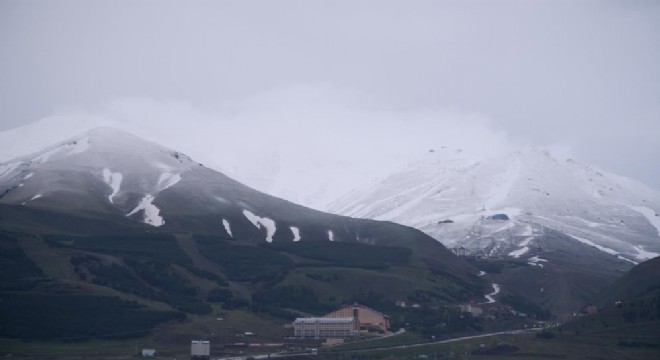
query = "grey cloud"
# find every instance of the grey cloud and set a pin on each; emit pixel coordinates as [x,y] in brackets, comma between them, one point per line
[583,74]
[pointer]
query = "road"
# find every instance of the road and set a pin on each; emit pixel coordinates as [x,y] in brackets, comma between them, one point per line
[446,341]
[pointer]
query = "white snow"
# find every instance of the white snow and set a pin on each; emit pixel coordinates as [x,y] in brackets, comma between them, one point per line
[28,176]
[76,147]
[527,231]
[258,222]
[537,191]
[331,235]
[650,215]
[80,146]
[519,252]
[269,224]
[591,243]
[254,219]
[506,181]
[167,180]
[526,241]
[524,247]
[505,227]
[589,223]
[296,233]
[227,226]
[8,168]
[36,197]
[489,297]
[643,254]
[113,180]
[536,261]
[481,273]
[151,212]
[38,135]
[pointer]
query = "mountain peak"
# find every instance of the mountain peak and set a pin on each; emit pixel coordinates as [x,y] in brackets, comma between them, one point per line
[530,186]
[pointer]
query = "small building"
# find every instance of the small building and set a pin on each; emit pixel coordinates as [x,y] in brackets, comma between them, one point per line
[367,318]
[473,310]
[148,352]
[200,350]
[499,217]
[325,327]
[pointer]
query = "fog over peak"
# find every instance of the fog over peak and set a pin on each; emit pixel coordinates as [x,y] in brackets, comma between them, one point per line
[352,88]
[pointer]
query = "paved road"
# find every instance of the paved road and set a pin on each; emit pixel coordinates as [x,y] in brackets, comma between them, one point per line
[508,332]
[446,341]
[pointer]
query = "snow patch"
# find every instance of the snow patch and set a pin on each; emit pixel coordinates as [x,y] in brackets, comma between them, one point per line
[527,231]
[258,221]
[331,235]
[519,252]
[524,247]
[151,212]
[296,233]
[526,241]
[36,197]
[113,180]
[79,146]
[489,297]
[643,254]
[499,193]
[71,148]
[593,244]
[650,215]
[536,261]
[28,176]
[167,180]
[227,226]
[481,273]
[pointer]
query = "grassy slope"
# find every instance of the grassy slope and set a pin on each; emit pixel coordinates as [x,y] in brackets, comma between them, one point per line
[332,282]
[642,279]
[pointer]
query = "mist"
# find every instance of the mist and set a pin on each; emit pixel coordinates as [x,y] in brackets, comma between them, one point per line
[357,87]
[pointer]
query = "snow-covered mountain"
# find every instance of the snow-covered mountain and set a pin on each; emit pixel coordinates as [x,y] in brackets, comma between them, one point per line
[106,174]
[503,206]
[311,178]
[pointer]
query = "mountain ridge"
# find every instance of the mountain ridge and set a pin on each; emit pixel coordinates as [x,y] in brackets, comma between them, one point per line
[528,185]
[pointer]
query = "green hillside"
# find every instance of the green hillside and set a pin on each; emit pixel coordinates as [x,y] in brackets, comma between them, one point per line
[125,282]
[643,279]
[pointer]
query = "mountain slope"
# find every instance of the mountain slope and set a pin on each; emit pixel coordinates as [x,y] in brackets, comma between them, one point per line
[106,213]
[109,172]
[555,216]
[642,280]
[453,198]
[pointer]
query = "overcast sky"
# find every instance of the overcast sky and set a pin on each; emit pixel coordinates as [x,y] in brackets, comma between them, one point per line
[342,79]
